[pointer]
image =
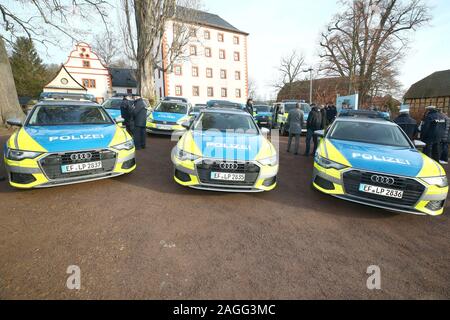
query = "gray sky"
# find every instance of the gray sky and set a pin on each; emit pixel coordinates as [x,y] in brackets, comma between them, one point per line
[277,27]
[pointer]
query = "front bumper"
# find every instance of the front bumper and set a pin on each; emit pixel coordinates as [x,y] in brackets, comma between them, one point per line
[31,173]
[430,201]
[166,130]
[186,173]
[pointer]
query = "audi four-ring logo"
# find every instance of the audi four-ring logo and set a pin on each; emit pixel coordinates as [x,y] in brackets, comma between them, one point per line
[81,156]
[229,166]
[383,180]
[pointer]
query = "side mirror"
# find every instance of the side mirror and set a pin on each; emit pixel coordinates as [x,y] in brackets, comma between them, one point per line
[14,122]
[265,131]
[186,124]
[319,133]
[419,144]
[119,120]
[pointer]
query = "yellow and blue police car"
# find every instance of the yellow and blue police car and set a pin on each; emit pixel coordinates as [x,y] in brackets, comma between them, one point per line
[64,142]
[367,159]
[224,150]
[168,116]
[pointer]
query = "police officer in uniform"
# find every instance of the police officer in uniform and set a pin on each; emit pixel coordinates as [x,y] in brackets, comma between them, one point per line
[125,112]
[249,106]
[433,130]
[407,123]
[139,115]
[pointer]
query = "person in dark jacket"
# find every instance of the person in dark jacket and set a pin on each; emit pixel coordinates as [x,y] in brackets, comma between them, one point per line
[433,130]
[249,106]
[139,115]
[407,123]
[125,112]
[295,122]
[331,113]
[445,141]
[323,113]
[313,124]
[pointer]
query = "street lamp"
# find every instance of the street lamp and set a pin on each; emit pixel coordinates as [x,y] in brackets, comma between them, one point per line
[310,70]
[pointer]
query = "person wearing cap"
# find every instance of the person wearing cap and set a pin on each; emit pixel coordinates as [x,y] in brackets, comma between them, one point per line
[407,123]
[433,131]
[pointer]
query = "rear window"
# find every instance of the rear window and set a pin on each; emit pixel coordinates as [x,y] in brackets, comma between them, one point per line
[366,132]
[68,115]
[263,108]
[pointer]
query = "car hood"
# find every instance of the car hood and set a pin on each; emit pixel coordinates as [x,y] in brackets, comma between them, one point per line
[167,116]
[228,146]
[72,138]
[378,158]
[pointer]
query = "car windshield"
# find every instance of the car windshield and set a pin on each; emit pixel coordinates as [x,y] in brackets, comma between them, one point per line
[171,107]
[367,132]
[112,104]
[68,115]
[226,122]
[263,108]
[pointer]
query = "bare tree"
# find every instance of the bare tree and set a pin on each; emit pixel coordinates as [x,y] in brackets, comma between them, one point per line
[37,19]
[368,39]
[252,88]
[144,27]
[290,69]
[108,47]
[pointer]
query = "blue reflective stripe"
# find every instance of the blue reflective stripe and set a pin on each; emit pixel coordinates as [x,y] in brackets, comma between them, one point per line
[168,117]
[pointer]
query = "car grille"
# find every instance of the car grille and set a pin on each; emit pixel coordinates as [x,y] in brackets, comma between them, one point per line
[165,122]
[412,189]
[51,165]
[250,170]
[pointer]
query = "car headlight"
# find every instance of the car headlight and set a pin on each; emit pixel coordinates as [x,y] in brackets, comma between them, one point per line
[328,164]
[183,155]
[270,161]
[17,155]
[437,181]
[125,146]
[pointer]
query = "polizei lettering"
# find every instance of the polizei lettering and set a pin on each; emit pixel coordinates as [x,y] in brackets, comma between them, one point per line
[77,137]
[370,157]
[227,146]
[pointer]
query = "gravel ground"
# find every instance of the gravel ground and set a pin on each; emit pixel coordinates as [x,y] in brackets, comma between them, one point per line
[141,236]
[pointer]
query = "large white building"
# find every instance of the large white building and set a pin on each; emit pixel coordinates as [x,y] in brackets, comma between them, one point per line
[217,68]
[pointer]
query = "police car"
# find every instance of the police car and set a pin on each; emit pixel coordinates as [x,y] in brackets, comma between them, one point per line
[367,159]
[64,142]
[168,116]
[263,115]
[224,150]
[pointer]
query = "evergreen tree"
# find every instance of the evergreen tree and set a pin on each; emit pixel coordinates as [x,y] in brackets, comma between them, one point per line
[30,74]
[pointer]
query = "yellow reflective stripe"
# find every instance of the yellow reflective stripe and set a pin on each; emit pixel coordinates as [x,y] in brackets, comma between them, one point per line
[40,179]
[334,154]
[151,125]
[322,148]
[267,150]
[12,141]
[331,172]
[25,142]
[435,190]
[259,185]
[193,182]
[188,144]
[25,163]
[421,206]
[119,137]
[430,168]
[186,164]
[337,189]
